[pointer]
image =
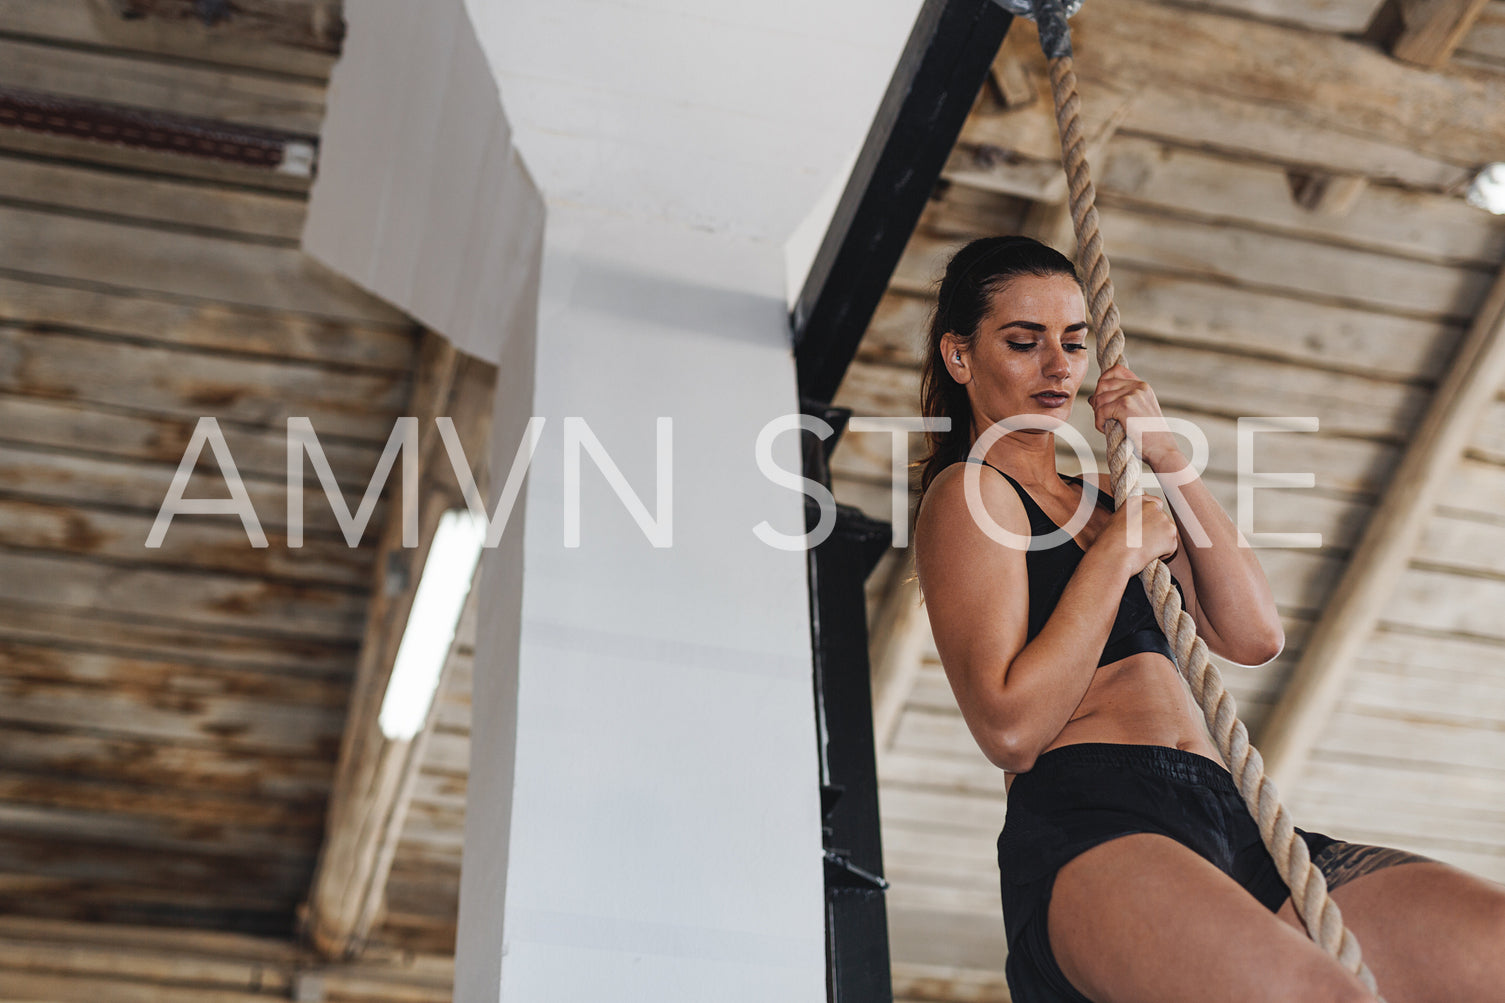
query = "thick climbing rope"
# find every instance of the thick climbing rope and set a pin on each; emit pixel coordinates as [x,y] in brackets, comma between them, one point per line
[1324,922]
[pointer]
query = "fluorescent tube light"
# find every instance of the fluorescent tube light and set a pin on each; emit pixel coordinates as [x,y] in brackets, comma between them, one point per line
[1488,190]
[430,632]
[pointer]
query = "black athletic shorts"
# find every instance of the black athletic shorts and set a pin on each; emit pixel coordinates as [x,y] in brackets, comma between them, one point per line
[1077,796]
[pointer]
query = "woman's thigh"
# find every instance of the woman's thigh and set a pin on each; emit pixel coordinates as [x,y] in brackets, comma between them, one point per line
[1143,919]
[1428,931]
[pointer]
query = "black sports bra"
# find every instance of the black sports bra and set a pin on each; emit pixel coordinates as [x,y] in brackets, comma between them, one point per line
[1134,629]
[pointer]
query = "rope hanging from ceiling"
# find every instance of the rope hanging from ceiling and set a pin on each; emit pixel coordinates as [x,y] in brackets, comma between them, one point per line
[1320,914]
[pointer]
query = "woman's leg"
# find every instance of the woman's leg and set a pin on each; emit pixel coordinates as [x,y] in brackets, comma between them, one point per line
[1430,932]
[1143,919]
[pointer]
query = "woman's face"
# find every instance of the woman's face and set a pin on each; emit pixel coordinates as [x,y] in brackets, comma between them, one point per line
[1030,352]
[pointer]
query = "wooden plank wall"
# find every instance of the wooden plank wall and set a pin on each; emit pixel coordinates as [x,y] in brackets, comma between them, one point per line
[48,961]
[171,716]
[1237,301]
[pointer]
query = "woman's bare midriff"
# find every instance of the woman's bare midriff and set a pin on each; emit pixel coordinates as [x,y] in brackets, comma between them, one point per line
[1139,700]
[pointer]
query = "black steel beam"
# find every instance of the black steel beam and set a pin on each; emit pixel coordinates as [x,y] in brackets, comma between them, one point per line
[166,132]
[944,65]
[857,957]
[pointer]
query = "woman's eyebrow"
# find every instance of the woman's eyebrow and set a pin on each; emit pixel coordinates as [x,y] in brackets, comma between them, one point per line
[1030,325]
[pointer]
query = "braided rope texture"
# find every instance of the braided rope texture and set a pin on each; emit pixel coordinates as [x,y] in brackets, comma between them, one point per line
[1308,887]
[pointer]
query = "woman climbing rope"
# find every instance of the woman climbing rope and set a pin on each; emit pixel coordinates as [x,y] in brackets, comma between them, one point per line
[1131,868]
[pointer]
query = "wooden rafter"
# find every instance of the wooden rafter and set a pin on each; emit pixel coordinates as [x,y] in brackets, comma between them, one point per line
[375,775]
[1465,393]
[1424,32]
[305,24]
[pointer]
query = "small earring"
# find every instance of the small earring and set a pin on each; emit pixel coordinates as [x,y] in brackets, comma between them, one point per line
[957,357]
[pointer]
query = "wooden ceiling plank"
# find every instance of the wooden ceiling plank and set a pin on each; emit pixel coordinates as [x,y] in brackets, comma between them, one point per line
[234,331]
[1342,85]
[1149,174]
[249,726]
[1488,440]
[192,598]
[1447,602]
[1239,117]
[129,434]
[128,963]
[90,961]
[57,988]
[1318,272]
[895,648]
[1441,746]
[219,765]
[1282,135]
[116,488]
[943,936]
[213,93]
[230,212]
[171,808]
[145,901]
[425,851]
[104,370]
[270,881]
[1269,262]
[94,24]
[448,752]
[1193,311]
[165,834]
[120,256]
[302,24]
[1346,17]
[1388,544]
[1452,542]
[440,786]
[171,942]
[1415,785]
[186,678]
[94,631]
[915,982]
[217,546]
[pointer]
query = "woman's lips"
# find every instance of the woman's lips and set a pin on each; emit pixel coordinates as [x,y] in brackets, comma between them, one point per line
[1052,398]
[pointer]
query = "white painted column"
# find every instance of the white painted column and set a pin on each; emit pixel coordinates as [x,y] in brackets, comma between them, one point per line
[643,811]
[664,834]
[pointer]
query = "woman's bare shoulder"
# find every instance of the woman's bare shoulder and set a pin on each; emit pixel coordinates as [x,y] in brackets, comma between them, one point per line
[945,517]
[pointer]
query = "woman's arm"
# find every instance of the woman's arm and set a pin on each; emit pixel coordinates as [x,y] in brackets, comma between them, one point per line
[1227,593]
[1017,696]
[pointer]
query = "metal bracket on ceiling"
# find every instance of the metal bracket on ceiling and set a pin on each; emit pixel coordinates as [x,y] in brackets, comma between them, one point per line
[1050,16]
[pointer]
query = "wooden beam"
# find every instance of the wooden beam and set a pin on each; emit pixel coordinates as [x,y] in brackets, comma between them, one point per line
[1434,449]
[375,775]
[304,24]
[1339,84]
[1424,32]
[896,648]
